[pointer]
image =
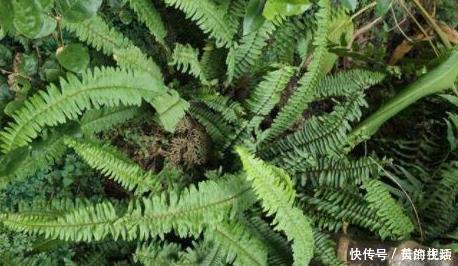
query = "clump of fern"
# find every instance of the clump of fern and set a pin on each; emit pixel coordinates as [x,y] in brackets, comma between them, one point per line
[239,149]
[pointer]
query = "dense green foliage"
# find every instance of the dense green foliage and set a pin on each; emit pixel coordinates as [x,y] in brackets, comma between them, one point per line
[215,132]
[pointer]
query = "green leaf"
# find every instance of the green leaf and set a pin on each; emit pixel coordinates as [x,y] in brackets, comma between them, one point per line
[28,17]
[6,56]
[46,5]
[48,27]
[274,8]
[79,10]
[73,57]
[382,7]
[350,4]
[12,106]
[28,64]
[253,19]
[6,16]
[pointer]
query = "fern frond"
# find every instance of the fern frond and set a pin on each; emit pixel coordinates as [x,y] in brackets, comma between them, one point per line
[240,246]
[273,186]
[133,58]
[116,165]
[210,61]
[230,110]
[279,251]
[235,13]
[248,52]
[346,83]
[170,109]
[186,60]
[338,172]
[41,155]
[97,33]
[187,213]
[262,100]
[325,249]
[439,208]
[98,120]
[319,135]
[214,123]
[387,209]
[154,253]
[107,86]
[286,38]
[149,16]
[299,100]
[330,208]
[208,16]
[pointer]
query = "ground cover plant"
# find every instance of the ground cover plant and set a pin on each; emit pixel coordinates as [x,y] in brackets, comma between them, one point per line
[225,132]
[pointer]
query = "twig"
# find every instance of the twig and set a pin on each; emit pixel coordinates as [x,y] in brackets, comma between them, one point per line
[399,27]
[433,24]
[364,29]
[420,27]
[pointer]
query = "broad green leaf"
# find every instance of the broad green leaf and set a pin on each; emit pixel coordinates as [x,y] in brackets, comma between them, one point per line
[73,57]
[6,14]
[46,5]
[274,8]
[28,64]
[79,10]
[48,27]
[5,94]
[382,7]
[253,19]
[350,4]
[28,17]
[51,70]
[6,56]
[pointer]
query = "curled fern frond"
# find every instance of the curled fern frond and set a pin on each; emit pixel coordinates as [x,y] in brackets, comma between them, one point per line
[300,99]
[116,165]
[107,86]
[273,186]
[148,15]
[208,16]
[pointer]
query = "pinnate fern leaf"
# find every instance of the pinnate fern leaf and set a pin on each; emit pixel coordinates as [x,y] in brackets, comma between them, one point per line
[116,165]
[187,213]
[101,87]
[208,16]
[148,14]
[274,188]
[304,94]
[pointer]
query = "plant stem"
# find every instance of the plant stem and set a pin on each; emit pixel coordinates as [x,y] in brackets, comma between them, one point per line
[440,78]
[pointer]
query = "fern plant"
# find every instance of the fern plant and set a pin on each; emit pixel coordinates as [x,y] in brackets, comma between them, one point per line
[283,175]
